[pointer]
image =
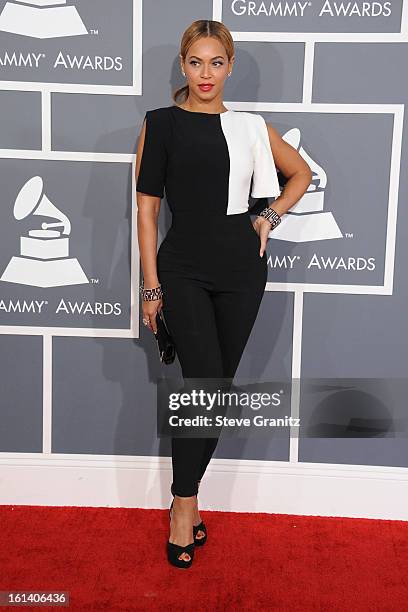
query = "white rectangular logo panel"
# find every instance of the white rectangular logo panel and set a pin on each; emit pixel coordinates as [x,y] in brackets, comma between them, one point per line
[65,248]
[318,20]
[87,43]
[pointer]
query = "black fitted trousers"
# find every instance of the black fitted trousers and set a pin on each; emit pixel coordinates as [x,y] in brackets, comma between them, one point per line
[213,280]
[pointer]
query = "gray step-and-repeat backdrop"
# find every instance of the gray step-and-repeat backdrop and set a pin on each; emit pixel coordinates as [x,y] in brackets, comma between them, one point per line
[78,372]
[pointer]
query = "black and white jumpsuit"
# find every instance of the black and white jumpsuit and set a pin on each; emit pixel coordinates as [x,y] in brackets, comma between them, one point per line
[208,264]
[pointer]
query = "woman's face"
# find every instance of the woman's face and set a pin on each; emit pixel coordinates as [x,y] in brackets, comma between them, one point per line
[206,66]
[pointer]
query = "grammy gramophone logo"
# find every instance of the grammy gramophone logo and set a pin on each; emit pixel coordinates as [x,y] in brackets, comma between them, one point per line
[44,254]
[41,19]
[306,220]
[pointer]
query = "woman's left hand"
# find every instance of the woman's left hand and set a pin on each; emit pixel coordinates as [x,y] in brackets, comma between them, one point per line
[262,228]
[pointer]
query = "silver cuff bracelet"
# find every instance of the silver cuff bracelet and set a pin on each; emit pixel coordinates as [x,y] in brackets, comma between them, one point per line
[155,293]
[271,216]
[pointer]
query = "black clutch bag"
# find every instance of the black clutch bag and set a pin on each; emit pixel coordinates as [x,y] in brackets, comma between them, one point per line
[165,343]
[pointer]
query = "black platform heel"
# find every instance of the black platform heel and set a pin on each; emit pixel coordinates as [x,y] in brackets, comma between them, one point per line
[196,528]
[175,550]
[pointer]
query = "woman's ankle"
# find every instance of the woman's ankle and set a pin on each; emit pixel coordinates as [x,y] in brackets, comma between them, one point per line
[185,499]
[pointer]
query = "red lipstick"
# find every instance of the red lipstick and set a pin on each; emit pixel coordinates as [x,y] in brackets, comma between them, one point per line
[206,87]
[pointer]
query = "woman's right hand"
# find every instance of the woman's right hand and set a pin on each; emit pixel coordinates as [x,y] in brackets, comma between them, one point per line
[150,308]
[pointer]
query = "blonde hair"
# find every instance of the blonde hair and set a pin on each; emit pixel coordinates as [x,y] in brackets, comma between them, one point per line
[199,29]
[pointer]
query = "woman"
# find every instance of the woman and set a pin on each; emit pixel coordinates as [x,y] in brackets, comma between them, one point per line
[210,271]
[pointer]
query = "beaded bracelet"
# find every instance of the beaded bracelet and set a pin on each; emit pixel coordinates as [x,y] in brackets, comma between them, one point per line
[271,215]
[155,293]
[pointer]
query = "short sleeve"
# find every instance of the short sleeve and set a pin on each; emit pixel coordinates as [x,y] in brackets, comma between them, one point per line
[153,165]
[265,181]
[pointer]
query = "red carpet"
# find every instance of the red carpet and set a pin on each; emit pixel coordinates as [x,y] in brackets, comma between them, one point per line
[114,559]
